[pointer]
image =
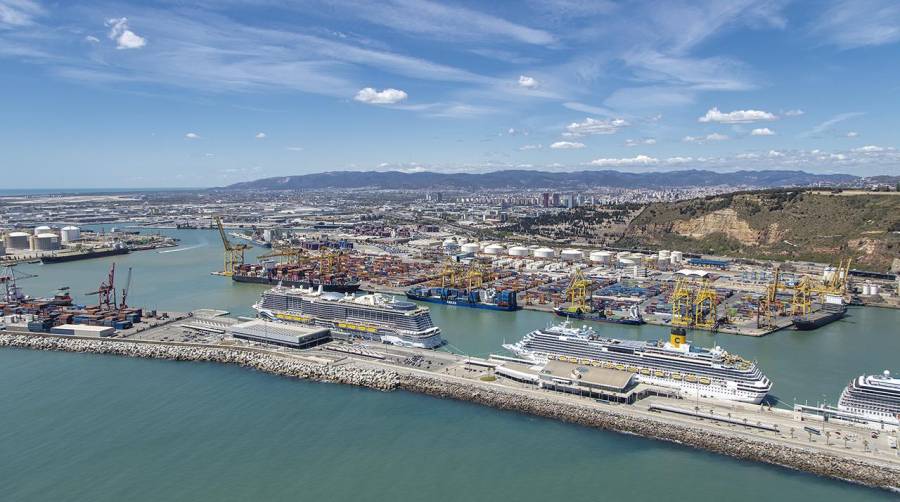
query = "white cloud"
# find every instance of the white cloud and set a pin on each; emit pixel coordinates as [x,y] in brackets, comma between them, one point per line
[638,142]
[775,153]
[531,147]
[591,126]
[638,160]
[294,148]
[260,135]
[762,131]
[192,135]
[703,139]
[386,97]
[736,117]
[567,145]
[209,155]
[92,39]
[584,108]
[124,37]
[852,134]
[527,82]
[793,113]
[870,149]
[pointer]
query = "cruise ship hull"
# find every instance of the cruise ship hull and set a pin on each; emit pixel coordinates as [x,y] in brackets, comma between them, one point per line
[350,287]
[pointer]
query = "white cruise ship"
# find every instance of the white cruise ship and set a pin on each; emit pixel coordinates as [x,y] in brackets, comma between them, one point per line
[371,316]
[694,372]
[874,397]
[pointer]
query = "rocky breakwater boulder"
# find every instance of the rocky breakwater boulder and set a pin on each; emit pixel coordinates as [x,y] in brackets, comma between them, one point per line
[374,378]
[714,440]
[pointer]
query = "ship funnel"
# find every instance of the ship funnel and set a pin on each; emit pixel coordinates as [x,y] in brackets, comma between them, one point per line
[678,337]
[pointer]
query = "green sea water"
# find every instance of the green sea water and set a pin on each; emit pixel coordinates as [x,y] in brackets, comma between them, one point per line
[87,427]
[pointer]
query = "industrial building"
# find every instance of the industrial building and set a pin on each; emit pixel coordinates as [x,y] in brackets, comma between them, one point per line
[275,333]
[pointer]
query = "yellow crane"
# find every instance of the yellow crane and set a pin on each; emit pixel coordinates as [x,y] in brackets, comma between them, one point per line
[706,306]
[801,304]
[577,294]
[682,303]
[234,253]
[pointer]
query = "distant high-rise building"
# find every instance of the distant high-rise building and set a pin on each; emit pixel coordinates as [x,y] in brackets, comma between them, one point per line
[545,199]
[555,199]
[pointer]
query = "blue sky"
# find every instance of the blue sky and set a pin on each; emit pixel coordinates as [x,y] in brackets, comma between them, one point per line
[206,93]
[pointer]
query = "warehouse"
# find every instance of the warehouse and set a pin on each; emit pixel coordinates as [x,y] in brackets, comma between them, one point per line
[276,333]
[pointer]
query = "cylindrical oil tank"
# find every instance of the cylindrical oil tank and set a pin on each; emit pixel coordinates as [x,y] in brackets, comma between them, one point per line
[676,257]
[600,256]
[43,229]
[626,262]
[69,234]
[519,251]
[493,249]
[544,253]
[664,255]
[17,240]
[470,247]
[571,254]
[46,242]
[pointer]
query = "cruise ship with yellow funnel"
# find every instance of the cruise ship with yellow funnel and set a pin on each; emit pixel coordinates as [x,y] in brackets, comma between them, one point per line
[695,372]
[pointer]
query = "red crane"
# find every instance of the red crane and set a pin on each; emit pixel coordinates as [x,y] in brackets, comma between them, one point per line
[106,293]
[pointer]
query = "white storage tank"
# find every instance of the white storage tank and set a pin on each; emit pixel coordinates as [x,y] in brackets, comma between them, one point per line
[601,256]
[626,262]
[493,249]
[69,234]
[46,242]
[43,229]
[471,247]
[571,254]
[676,257]
[518,251]
[544,253]
[17,240]
[664,255]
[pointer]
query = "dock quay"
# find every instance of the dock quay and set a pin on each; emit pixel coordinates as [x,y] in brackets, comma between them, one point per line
[749,432]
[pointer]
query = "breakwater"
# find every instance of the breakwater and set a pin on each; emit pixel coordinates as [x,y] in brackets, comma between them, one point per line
[384,378]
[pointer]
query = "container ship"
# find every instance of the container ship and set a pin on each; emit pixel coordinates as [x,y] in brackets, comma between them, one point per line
[694,372]
[371,316]
[874,397]
[633,318]
[832,310]
[84,255]
[274,274]
[490,299]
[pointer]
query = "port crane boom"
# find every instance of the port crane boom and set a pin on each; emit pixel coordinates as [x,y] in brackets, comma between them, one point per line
[234,253]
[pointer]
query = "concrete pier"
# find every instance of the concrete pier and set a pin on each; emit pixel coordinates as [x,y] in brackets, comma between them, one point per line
[724,428]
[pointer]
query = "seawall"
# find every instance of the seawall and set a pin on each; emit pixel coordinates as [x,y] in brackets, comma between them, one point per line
[386,379]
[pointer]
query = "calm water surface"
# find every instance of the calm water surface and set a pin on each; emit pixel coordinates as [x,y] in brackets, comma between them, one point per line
[86,427]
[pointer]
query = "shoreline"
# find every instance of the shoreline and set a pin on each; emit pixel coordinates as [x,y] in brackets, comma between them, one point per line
[384,378]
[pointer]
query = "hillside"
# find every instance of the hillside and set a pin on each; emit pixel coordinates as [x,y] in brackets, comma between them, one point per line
[779,224]
[526,179]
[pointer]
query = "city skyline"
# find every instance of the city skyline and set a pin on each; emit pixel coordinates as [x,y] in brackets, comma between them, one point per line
[159,94]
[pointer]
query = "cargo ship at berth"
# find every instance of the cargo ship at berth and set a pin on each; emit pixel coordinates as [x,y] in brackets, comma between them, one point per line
[832,310]
[331,286]
[634,317]
[84,255]
[694,372]
[873,397]
[490,299]
[371,316]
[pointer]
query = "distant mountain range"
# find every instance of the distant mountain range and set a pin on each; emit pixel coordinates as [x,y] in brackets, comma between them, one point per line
[525,179]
